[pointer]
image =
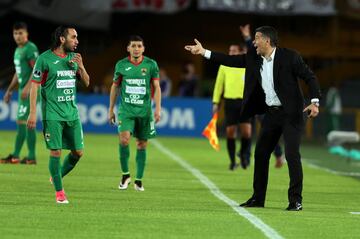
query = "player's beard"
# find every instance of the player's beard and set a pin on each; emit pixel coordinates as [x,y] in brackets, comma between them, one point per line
[67,48]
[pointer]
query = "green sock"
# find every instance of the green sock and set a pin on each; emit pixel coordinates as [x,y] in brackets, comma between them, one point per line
[140,163]
[20,138]
[55,172]
[69,163]
[124,158]
[31,142]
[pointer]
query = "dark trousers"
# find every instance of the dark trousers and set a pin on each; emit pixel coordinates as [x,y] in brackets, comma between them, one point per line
[274,125]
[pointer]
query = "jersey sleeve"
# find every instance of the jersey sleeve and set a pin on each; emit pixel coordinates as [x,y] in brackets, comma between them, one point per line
[39,70]
[219,85]
[117,75]
[155,72]
[32,53]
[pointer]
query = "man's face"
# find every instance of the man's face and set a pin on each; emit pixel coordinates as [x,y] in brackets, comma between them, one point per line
[20,36]
[70,42]
[234,50]
[261,43]
[136,49]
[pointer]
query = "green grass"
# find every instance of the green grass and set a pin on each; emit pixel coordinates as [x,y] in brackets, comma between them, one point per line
[175,204]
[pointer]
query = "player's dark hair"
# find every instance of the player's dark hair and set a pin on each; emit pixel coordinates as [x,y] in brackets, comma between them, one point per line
[20,25]
[61,31]
[269,32]
[135,38]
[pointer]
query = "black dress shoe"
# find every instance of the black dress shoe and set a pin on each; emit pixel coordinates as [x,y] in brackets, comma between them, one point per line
[252,203]
[294,206]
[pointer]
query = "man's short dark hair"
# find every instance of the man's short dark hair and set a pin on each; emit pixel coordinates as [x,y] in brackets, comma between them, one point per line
[269,32]
[61,31]
[135,38]
[20,25]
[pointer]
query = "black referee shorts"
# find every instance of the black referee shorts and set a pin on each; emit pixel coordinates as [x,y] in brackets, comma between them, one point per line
[232,109]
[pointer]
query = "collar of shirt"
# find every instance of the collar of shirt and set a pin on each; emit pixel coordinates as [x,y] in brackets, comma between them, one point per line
[271,56]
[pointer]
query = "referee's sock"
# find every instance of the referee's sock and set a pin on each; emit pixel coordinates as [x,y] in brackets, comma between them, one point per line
[245,148]
[230,143]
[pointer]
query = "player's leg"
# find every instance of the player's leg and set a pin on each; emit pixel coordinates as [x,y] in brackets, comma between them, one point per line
[53,138]
[22,112]
[125,130]
[231,128]
[19,141]
[144,130]
[230,144]
[245,151]
[278,153]
[30,137]
[140,163]
[73,139]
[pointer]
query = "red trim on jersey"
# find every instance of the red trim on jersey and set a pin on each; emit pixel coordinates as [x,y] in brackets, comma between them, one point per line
[118,81]
[35,81]
[31,63]
[155,78]
[44,77]
[60,55]
[136,63]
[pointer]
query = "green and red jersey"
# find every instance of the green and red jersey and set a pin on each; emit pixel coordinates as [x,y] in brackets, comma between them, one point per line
[57,76]
[135,83]
[22,57]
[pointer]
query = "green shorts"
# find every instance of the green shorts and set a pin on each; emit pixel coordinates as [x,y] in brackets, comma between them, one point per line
[63,134]
[142,128]
[23,109]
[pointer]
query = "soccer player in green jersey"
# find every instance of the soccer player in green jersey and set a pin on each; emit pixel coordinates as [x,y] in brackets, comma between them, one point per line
[134,78]
[57,71]
[24,59]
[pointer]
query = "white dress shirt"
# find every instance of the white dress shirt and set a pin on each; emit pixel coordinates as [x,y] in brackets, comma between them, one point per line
[267,80]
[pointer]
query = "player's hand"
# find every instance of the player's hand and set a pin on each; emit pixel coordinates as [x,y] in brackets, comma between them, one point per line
[312,110]
[215,108]
[25,93]
[245,31]
[78,59]
[196,49]
[31,122]
[7,96]
[111,118]
[157,115]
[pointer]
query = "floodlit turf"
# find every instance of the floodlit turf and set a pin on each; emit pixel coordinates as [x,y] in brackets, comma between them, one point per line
[175,204]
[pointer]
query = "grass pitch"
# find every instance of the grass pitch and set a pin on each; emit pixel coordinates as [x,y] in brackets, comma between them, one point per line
[175,204]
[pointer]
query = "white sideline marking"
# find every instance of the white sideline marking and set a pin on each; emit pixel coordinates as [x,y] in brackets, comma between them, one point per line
[356,213]
[353,174]
[257,222]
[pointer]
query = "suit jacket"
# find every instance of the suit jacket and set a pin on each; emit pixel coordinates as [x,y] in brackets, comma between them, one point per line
[288,68]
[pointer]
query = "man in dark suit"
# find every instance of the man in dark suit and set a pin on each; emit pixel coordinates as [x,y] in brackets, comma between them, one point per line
[271,88]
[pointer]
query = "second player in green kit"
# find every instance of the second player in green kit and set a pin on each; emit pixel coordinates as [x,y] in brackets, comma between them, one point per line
[134,78]
[24,59]
[57,71]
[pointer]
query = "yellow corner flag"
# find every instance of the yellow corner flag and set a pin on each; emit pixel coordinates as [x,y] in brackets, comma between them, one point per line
[210,133]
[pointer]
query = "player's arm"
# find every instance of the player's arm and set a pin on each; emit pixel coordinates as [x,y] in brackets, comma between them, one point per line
[10,89]
[25,92]
[83,75]
[113,96]
[31,122]
[157,99]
